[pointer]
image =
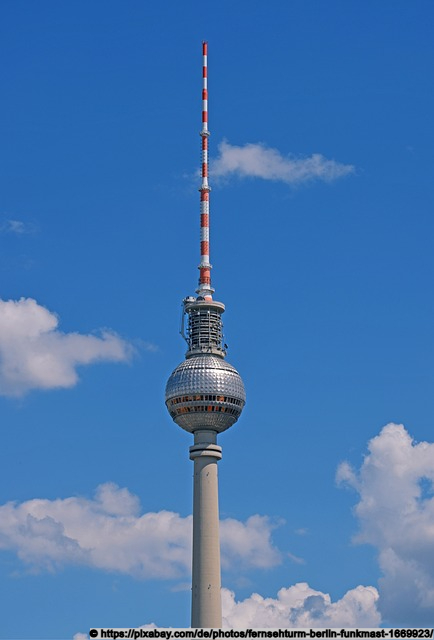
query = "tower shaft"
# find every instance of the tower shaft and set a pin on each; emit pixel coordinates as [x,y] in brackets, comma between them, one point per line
[206,606]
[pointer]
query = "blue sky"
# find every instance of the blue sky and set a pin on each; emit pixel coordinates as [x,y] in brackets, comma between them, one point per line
[321,243]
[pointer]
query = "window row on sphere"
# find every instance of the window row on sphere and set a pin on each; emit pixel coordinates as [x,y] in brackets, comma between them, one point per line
[202,408]
[206,398]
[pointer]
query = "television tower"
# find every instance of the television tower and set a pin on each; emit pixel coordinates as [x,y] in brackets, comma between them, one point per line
[205,396]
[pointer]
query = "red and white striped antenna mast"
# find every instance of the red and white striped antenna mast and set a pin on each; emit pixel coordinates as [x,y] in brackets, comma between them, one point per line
[205,290]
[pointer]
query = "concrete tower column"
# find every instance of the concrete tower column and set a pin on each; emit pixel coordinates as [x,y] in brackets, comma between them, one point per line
[206,609]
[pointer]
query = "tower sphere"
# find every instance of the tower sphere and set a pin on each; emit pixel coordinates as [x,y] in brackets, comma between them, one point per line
[205,392]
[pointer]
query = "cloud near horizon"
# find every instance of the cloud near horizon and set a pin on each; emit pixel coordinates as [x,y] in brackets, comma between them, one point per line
[34,354]
[259,161]
[300,606]
[396,515]
[296,607]
[395,511]
[109,533]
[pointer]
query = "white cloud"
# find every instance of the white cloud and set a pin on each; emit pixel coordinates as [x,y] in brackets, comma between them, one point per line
[295,559]
[249,542]
[259,161]
[396,515]
[298,606]
[109,533]
[302,606]
[34,354]
[16,226]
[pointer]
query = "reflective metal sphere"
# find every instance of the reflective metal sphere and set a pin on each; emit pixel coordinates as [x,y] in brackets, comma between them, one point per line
[205,392]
